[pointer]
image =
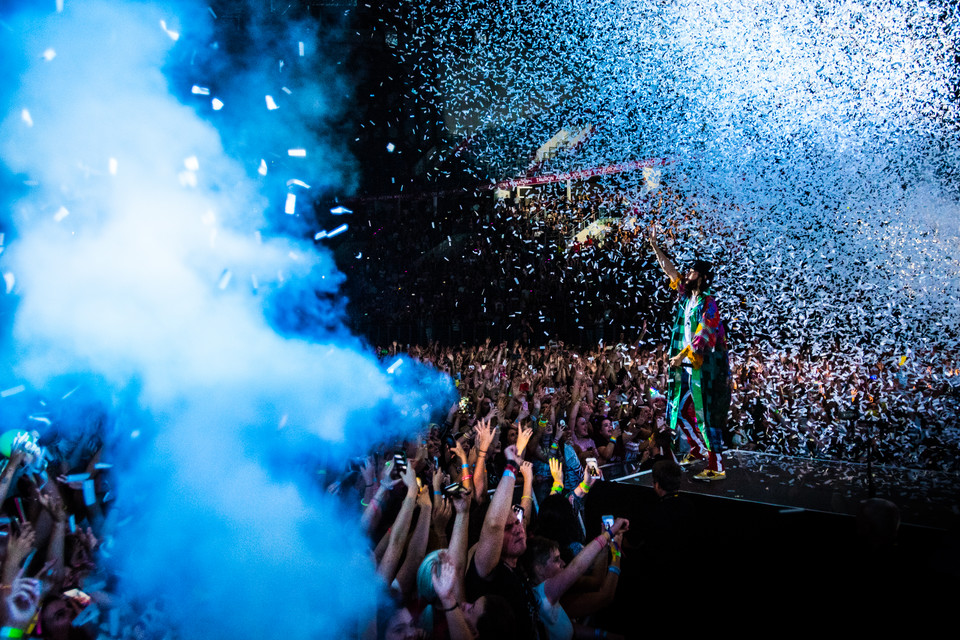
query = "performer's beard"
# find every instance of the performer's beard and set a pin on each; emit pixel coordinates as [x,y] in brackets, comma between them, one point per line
[694,284]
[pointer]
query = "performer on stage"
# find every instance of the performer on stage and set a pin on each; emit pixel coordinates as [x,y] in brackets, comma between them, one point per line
[698,399]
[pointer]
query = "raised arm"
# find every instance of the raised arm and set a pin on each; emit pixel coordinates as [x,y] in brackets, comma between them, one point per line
[448,584]
[417,546]
[662,258]
[487,554]
[555,587]
[485,435]
[458,538]
[401,526]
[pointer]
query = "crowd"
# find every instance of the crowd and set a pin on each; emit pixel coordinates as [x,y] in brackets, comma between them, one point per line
[828,382]
[57,492]
[479,524]
[503,548]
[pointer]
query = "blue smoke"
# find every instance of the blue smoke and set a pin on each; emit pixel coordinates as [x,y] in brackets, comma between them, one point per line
[148,260]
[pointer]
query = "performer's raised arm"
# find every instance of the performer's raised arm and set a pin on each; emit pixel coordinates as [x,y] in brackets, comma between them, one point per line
[662,258]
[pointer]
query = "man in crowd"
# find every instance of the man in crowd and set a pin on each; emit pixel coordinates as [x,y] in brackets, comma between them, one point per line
[699,389]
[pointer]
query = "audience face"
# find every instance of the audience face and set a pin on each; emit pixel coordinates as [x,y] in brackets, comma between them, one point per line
[514,538]
[550,568]
[583,427]
[606,428]
[473,611]
[401,626]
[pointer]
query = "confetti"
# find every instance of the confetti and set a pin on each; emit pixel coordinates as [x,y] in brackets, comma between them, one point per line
[173,34]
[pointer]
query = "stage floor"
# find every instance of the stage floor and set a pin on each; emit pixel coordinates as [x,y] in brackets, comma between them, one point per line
[925,498]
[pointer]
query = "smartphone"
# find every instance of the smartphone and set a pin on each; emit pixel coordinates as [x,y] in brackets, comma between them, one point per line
[551,391]
[518,512]
[453,489]
[593,468]
[464,403]
[400,461]
[607,522]
[79,596]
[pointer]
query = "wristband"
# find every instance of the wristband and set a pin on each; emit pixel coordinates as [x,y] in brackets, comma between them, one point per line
[612,439]
[614,570]
[555,446]
[584,487]
[507,471]
[451,608]
[437,493]
[464,466]
[524,497]
[466,476]
[11,632]
[512,466]
[557,486]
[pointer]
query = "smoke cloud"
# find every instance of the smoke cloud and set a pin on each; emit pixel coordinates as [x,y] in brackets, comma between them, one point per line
[143,256]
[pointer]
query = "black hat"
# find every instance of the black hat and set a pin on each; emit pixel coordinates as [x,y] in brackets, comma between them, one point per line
[704,268]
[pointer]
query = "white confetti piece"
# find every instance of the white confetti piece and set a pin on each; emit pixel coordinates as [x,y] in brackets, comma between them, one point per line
[224,279]
[200,91]
[49,54]
[112,166]
[12,391]
[337,231]
[174,35]
[192,163]
[217,104]
[262,170]
[291,205]
[271,105]
[60,214]
[25,116]
[297,153]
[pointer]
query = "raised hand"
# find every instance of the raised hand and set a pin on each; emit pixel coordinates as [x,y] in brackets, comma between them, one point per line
[556,470]
[22,601]
[51,501]
[460,452]
[484,435]
[409,478]
[620,526]
[461,501]
[442,511]
[368,471]
[526,470]
[445,579]
[523,437]
[20,544]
